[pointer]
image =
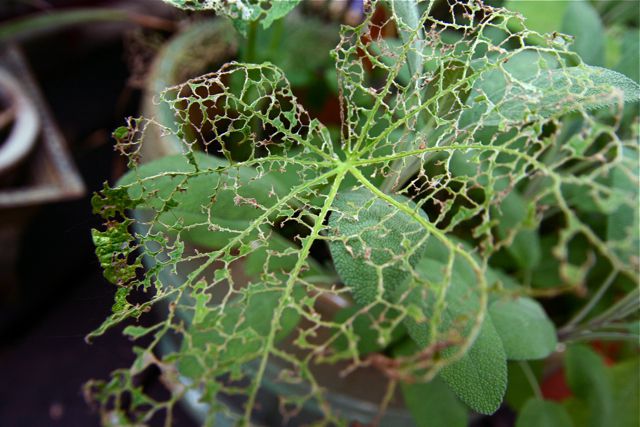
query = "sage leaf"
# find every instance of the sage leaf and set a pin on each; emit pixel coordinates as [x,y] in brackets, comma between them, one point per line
[267,11]
[530,87]
[373,245]
[514,223]
[543,413]
[623,224]
[630,57]
[278,9]
[582,21]
[589,382]
[542,19]
[185,203]
[626,393]
[408,19]
[433,404]
[479,378]
[524,328]
[368,329]
[475,70]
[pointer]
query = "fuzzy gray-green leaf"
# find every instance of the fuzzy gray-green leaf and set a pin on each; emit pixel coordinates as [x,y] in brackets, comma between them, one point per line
[374,245]
[241,10]
[524,328]
[532,86]
[479,378]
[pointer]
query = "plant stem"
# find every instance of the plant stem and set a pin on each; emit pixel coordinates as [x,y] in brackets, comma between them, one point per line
[391,389]
[250,47]
[592,302]
[605,336]
[531,378]
[593,329]
[277,30]
[622,308]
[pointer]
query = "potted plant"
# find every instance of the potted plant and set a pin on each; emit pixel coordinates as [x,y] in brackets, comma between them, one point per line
[479,165]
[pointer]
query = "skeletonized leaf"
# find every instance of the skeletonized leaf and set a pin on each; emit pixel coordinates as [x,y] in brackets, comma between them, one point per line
[514,216]
[267,11]
[182,200]
[531,86]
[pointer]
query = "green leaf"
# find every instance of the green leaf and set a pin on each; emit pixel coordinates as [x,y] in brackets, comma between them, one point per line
[519,388]
[582,21]
[267,11]
[278,10]
[279,255]
[185,203]
[389,133]
[301,64]
[624,223]
[249,332]
[433,404]
[260,307]
[408,20]
[629,64]
[524,328]
[373,245]
[369,328]
[514,223]
[542,19]
[543,413]
[138,331]
[530,87]
[603,81]
[386,50]
[479,378]
[589,382]
[626,393]
[114,247]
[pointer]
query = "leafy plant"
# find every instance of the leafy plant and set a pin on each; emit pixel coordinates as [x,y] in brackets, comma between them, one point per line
[245,16]
[241,11]
[478,165]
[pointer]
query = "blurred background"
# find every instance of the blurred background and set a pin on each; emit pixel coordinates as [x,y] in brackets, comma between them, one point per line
[78,79]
